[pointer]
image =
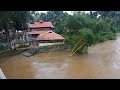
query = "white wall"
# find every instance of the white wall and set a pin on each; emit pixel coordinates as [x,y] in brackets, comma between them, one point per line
[46,44]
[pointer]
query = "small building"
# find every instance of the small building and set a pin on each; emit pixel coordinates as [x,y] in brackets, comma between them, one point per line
[50,38]
[41,34]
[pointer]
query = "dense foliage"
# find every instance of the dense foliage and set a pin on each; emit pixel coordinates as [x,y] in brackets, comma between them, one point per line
[92,28]
[11,21]
[97,26]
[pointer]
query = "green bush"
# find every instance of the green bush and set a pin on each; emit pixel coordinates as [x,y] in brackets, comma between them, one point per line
[104,36]
[88,37]
[110,35]
[2,47]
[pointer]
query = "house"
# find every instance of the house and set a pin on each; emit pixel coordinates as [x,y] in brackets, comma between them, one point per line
[41,33]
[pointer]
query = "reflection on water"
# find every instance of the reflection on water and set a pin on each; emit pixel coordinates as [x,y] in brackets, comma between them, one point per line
[102,61]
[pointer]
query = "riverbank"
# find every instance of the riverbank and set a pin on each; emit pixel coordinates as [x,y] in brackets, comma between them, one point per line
[7,54]
[101,62]
[44,49]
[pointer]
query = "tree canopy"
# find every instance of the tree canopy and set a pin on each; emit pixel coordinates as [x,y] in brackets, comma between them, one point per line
[14,20]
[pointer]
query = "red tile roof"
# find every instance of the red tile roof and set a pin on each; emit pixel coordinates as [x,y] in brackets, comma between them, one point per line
[50,35]
[38,32]
[41,24]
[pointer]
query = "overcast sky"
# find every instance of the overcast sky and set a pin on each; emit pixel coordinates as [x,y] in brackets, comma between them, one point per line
[69,12]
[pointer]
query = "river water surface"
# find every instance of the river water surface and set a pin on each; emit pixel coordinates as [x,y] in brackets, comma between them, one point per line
[101,62]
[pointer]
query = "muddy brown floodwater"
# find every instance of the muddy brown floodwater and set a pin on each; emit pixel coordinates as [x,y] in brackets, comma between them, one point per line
[101,62]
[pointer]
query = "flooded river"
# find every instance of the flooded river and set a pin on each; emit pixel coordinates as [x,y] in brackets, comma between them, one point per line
[101,62]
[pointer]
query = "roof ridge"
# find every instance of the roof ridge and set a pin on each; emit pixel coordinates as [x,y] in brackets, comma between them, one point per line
[40,25]
[44,34]
[54,35]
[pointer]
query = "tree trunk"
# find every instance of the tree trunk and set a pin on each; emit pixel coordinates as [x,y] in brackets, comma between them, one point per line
[7,36]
